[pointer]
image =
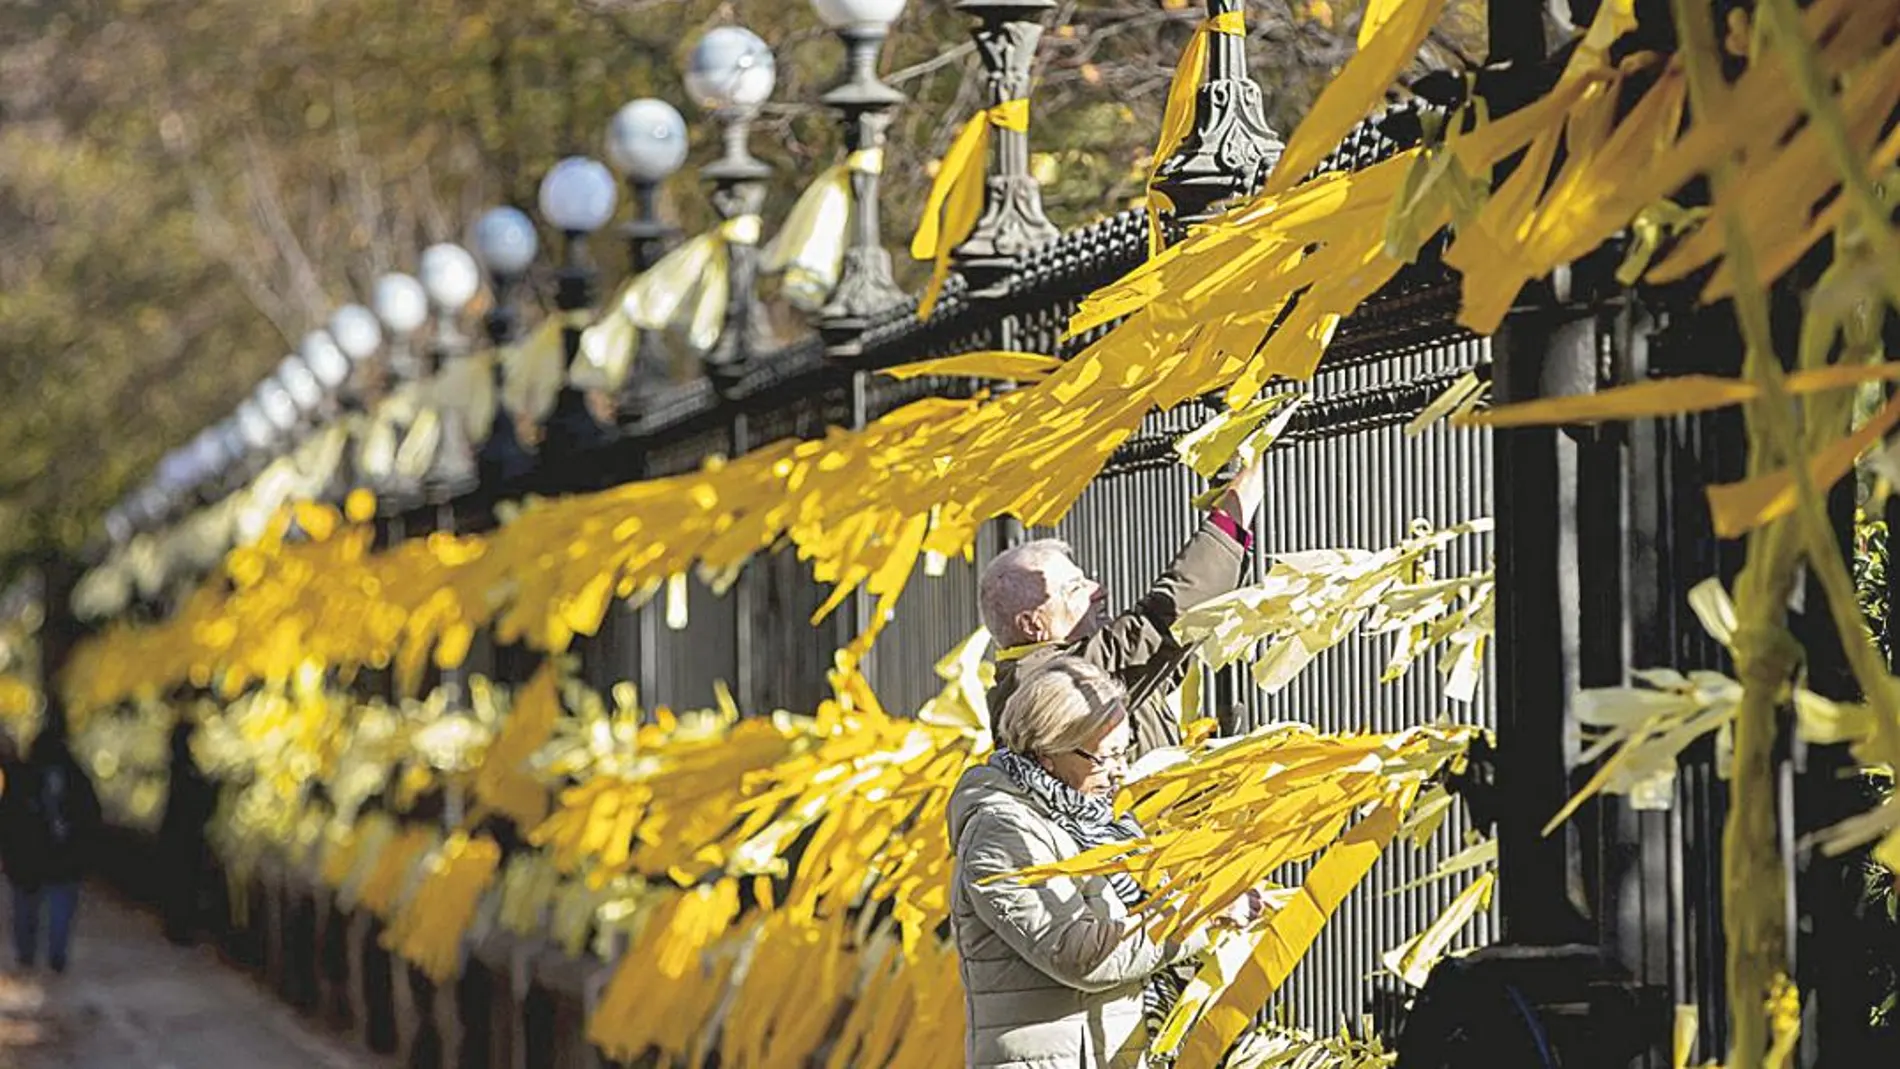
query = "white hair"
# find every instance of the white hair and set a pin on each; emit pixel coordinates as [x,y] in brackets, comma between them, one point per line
[1013,584]
[1060,707]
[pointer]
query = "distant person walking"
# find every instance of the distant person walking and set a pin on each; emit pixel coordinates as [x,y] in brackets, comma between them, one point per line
[181,837]
[49,817]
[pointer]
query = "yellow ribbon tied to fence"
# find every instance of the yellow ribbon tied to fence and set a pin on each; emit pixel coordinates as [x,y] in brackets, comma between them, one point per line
[532,370]
[686,292]
[956,196]
[808,250]
[1177,119]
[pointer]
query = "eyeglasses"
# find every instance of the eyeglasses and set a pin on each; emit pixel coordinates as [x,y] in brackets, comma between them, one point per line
[1083,583]
[1118,757]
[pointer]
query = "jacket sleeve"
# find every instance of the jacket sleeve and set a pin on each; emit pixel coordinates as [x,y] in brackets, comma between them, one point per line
[1048,923]
[1206,567]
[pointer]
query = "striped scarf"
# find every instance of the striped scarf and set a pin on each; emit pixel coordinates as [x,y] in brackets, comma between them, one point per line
[1092,822]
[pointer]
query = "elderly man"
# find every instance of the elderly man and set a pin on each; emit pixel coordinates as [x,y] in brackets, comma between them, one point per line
[1038,605]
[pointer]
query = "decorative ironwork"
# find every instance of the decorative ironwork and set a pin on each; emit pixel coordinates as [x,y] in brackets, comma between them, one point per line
[502,459]
[865,287]
[738,191]
[396,491]
[571,427]
[452,471]
[1231,148]
[1013,221]
[648,239]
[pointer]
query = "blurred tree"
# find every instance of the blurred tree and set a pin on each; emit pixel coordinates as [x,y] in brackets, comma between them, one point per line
[188,185]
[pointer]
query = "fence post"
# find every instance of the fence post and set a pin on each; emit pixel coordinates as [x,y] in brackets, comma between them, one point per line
[1534,870]
[854,616]
[1231,146]
[738,192]
[744,594]
[357,968]
[1013,221]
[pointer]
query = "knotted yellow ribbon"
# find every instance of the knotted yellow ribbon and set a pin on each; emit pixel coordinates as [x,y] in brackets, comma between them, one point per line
[1177,120]
[685,292]
[956,196]
[533,368]
[808,250]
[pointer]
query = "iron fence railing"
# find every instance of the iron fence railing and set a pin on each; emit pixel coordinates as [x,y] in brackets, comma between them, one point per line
[1347,475]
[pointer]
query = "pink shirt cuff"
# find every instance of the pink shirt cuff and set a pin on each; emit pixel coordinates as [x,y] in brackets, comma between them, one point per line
[1232,528]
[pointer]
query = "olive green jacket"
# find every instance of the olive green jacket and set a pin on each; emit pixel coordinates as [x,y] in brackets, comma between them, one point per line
[1139,646]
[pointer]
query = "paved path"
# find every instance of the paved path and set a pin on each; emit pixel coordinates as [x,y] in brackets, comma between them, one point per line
[133,1001]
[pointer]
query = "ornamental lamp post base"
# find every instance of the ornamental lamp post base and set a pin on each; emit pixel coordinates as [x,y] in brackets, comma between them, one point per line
[738,191]
[1227,156]
[1230,148]
[1012,222]
[865,294]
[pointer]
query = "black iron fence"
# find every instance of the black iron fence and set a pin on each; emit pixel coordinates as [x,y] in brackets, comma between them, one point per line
[1600,535]
[1347,474]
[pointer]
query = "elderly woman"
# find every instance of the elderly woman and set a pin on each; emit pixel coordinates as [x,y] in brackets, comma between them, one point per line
[1055,974]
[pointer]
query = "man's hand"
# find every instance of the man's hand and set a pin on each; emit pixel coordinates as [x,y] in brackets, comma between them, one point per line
[1244,493]
[1243,911]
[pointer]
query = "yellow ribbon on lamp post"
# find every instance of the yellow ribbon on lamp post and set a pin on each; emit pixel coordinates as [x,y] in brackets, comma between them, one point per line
[808,249]
[1177,119]
[686,291]
[533,368]
[956,196]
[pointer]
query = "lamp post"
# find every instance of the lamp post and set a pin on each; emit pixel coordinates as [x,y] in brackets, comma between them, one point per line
[254,437]
[176,472]
[451,279]
[295,383]
[119,524]
[150,507]
[300,385]
[352,340]
[209,460]
[731,73]
[255,426]
[402,305]
[865,287]
[577,197]
[1231,147]
[1012,221]
[505,243]
[325,359]
[272,418]
[356,333]
[646,142]
[236,453]
[279,410]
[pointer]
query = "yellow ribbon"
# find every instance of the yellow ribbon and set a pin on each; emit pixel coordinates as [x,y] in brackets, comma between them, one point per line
[741,230]
[1017,653]
[956,196]
[534,367]
[686,291]
[1177,120]
[808,250]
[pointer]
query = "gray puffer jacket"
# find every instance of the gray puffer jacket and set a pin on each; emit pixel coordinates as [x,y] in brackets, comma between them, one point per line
[1051,977]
